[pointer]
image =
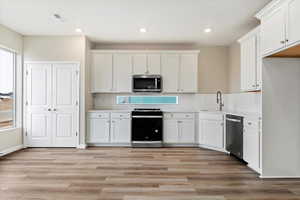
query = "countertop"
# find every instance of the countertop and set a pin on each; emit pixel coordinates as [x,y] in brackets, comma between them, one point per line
[182,110]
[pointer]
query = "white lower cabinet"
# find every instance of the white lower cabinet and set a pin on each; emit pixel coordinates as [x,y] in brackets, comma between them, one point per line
[251,144]
[179,128]
[211,130]
[109,128]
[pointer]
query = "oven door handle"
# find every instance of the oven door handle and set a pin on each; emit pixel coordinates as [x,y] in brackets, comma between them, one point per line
[151,117]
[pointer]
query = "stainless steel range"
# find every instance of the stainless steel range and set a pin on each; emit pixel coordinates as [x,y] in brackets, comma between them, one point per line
[147,128]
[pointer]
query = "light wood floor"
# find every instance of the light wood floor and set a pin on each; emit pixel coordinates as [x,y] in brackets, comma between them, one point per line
[134,174]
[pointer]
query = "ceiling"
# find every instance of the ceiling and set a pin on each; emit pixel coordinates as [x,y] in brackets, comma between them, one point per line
[119,21]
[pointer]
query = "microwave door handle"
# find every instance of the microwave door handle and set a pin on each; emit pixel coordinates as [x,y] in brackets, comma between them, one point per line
[156,83]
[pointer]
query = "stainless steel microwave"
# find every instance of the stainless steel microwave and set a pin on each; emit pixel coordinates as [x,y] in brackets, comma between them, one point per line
[147,83]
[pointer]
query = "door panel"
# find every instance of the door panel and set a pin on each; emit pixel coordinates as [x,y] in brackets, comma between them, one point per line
[139,64]
[188,73]
[293,21]
[120,131]
[170,73]
[187,131]
[171,131]
[39,101]
[102,72]
[273,31]
[212,133]
[154,64]
[98,130]
[65,104]
[122,73]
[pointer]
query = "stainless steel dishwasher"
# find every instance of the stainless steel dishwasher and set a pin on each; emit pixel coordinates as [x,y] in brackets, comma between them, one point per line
[234,135]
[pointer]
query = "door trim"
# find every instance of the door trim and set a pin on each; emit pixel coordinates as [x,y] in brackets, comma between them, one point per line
[24,99]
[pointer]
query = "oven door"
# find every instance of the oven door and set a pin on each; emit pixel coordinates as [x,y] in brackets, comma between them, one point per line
[146,84]
[147,128]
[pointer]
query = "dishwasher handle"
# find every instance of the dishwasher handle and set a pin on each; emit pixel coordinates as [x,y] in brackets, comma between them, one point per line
[233,120]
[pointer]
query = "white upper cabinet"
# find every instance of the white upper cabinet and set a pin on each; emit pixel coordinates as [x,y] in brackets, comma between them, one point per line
[188,73]
[293,27]
[101,72]
[122,73]
[279,26]
[170,72]
[153,64]
[251,61]
[111,71]
[139,63]
[273,31]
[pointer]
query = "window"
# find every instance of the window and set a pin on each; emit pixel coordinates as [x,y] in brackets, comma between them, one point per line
[147,99]
[7,89]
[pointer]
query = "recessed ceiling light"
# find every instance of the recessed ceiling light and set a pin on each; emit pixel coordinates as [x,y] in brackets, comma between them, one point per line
[207,30]
[143,30]
[78,30]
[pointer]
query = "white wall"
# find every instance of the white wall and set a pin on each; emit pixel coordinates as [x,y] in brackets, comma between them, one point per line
[281,118]
[234,68]
[13,41]
[61,48]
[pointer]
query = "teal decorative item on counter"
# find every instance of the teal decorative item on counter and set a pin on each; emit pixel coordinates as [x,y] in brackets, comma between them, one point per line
[147,99]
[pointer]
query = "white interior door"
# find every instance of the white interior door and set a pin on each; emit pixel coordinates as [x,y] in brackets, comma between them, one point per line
[39,102]
[65,104]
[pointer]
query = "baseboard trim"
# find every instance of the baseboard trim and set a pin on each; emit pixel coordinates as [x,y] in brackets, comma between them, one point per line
[279,177]
[212,148]
[11,150]
[109,144]
[81,146]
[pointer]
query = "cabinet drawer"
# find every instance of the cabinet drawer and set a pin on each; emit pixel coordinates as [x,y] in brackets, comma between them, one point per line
[98,115]
[120,115]
[210,116]
[179,115]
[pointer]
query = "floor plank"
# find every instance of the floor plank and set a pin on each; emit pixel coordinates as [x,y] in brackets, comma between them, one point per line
[134,174]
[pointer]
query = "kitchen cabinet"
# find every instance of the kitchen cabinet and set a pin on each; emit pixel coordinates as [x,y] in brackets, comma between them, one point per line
[251,143]
[102,72]
[293,28]
[211,131]
[146,64]
[111,71]
[180,72]
[122,73]
[179,128]
[106,128]
[251,61]
[273,31]
[98,128]
[279,26]
[188,73]
[120,128]
[170,73]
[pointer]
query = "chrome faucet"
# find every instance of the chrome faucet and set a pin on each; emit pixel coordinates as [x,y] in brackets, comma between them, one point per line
[220,101]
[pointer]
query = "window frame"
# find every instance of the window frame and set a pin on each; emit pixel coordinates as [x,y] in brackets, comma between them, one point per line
[14,106]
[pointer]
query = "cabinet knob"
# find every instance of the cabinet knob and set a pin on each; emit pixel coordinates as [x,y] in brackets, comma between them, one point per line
[54,109]
[249,123]
[287,40]
[49,109]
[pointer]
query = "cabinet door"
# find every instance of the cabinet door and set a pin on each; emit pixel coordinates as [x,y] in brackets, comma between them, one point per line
[102,72]
[187,131]
[154,64]
[39,105]
[293,28]
[98,130]
[249,63]
[171,131]
[273,31]
[251,147]
[122,73]
[212,133]
[120,131]
[170,73]
[139,63]
[188,73]
[65,81]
